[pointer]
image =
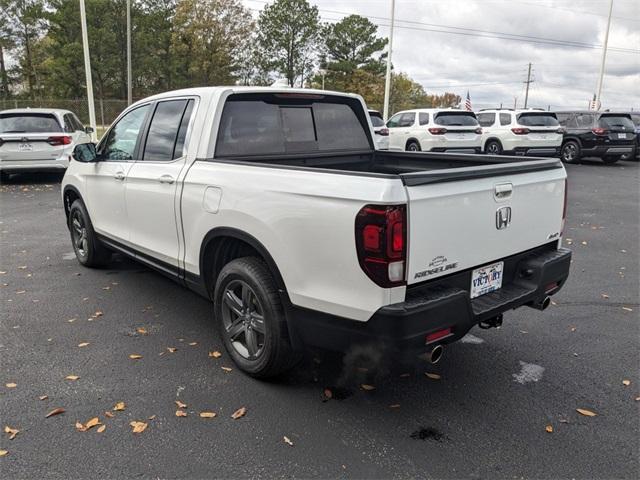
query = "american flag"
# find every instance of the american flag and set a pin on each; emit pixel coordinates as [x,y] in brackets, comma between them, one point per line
[467,103]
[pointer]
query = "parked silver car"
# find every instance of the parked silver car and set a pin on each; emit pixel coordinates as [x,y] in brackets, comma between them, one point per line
[38,139]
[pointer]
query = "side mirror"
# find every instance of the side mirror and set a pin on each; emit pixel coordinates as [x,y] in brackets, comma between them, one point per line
[85,152]
[88,129]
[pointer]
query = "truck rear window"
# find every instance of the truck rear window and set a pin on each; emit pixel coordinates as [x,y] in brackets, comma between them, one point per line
[29,123]
[538,120]
[268,124]
[456,119]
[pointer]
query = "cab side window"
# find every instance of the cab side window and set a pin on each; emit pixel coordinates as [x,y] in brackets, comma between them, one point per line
[167,131]
[505,119]
[69,126]
[122,139]
[394,121]
[486,119]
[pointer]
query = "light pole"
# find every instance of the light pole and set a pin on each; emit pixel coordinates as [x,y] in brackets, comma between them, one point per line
[129,87]
[604,57]
[87,71]
[387,82]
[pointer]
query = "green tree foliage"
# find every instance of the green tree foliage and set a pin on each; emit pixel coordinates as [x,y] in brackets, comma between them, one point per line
[288,38]
[208,37]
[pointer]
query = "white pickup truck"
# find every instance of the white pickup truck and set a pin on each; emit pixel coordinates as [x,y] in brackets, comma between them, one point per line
[274,204]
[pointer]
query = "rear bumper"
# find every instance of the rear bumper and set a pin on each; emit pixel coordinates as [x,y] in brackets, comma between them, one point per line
[433,306]
[602,150]
[535,151]
[456,150]
[17,166]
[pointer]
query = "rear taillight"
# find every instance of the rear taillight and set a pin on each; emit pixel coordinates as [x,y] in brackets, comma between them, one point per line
[599,131]
[520,130]
[383,131]
[381,243]
[479,130]
[437,131]
[59,140]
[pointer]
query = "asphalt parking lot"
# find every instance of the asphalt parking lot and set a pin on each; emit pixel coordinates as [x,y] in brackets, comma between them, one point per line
[485,413]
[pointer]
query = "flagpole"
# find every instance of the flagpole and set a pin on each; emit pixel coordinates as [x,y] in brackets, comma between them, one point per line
[387,82]
[87,71]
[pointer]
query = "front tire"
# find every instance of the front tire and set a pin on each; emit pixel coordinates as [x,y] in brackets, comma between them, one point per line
[570,152]
[88,249]
[413,146]
[250,318]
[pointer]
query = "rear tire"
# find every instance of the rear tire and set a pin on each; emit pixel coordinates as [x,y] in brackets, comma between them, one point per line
[609,159]
[250,318]
[570,152]
[413,146]
[89,251]
[4,177]
[493,147]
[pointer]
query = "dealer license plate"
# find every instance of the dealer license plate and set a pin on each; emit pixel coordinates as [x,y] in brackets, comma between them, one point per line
[25,147]
[622,135]
[486,279]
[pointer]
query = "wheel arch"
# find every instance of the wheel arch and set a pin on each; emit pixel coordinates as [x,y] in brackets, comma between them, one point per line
[412,139]
[492,139]
[574,138]
[69,195]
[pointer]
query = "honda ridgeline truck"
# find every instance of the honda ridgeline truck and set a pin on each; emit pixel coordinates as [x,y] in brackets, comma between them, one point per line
[275,205]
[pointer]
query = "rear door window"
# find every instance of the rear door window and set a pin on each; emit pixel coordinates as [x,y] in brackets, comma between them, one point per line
[423,118]
[538,120]
[584,120]
[486,119]
[259,124]
[505,119]
[163,130]
[620,123]
[456,119]
[407,119]
[29,123]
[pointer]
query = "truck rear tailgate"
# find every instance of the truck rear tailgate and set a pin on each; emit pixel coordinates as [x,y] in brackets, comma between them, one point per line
[466,218]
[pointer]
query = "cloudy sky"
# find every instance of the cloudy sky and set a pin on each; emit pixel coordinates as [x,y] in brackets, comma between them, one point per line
[451,45]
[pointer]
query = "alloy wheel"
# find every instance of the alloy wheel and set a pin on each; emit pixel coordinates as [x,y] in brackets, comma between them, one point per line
[79,233]
[243,319]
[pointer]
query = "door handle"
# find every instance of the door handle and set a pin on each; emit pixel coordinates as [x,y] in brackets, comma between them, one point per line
[166,179]
[119,176]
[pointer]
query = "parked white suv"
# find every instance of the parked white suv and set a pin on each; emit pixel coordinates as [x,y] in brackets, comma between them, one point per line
[435,130]
[275,204]
[380,130]
[38,139]
[520,132]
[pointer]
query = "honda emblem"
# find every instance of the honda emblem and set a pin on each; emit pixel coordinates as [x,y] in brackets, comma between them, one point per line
[503,218]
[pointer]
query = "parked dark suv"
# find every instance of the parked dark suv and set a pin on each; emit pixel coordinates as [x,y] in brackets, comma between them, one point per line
[635,118]
[607,135]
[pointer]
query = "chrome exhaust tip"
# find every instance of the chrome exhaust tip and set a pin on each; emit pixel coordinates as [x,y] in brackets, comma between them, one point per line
[541,305]
[436,354]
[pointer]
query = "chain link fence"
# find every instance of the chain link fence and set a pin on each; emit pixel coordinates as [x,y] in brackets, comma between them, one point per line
[106,110]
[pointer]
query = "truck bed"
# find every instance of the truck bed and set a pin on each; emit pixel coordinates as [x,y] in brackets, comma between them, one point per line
[413,168]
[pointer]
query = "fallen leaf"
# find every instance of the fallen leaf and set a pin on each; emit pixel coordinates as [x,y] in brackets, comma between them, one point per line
[138,427]
[627,309]
[366,387]
[287,441]
[405,375]
[106,288]
[101,428]
[215,354]
[328,393]
[193,344]
[585,412]
[433,376]
[135,356]
[109,414]
[573,329]
[395,405]
[626,383]
[141,330]
[583,243]
[3,453]
[549,428]
[98,314]
[180,404]
[83,344]
[207,414]
[152,417]
[119,407]
[226,369]
[72,377]
[80,427]
[71,320]
[604,295]
[92,423]
[11,431]
[239,413]
[55,411]
[11,385]
[181,413]
[43,397]
[637,399]
[564,420]
[172,349]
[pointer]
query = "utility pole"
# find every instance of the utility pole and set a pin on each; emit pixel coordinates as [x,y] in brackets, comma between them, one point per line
[604,57]
[129,87]
[528,82]
[515,102]
[87,71]
[387,82]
